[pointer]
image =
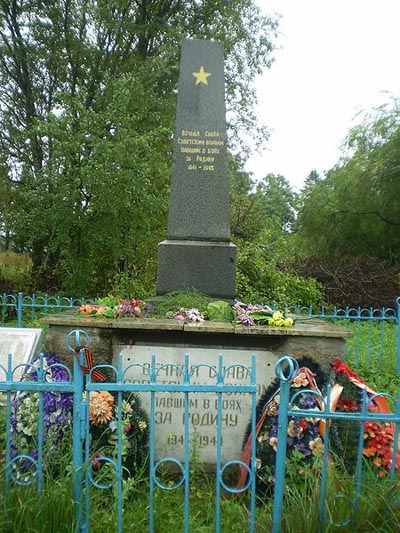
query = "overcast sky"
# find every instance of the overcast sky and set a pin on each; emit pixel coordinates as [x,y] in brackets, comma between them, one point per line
[336,58]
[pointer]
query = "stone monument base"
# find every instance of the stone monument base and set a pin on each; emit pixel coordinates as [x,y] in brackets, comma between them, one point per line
[185,265]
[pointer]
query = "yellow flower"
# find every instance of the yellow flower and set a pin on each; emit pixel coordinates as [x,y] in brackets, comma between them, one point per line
[142,425]
[300,380]
[100,407]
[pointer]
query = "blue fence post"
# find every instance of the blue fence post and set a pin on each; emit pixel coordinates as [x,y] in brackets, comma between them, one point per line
[19,309]
[77,442]
[280,464]
[398,336]
[74,339]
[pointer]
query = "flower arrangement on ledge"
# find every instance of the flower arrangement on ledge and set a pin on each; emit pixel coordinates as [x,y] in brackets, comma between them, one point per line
[108,308]
[261,315]
[215,311]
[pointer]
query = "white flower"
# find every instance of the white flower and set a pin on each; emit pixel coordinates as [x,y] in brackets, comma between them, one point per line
[195,315]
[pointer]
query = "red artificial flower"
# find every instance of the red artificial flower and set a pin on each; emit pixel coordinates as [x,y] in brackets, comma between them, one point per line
[127,428]
[303,424]
[95,464]
[379,439]
[340,367]
[369,452]
[347,405]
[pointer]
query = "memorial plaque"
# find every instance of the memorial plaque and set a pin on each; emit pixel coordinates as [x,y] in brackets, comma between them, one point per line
[198,253]
[169,407]
[21,343]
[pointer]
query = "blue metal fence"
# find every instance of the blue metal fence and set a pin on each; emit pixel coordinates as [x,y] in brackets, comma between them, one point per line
[84,480]
[83,464]
[22,305]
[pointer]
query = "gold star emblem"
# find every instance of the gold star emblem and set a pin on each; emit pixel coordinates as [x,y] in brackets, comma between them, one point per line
[201,76]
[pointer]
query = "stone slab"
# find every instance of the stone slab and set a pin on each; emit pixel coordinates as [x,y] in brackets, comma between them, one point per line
[311,328]
[209,267]
[169,411]
[21,343]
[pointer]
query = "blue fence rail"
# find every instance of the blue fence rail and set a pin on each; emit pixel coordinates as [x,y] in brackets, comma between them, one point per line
[379,326]
[20,304]
[375,325]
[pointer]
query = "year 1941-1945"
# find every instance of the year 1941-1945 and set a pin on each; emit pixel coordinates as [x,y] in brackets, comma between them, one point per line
[201,440]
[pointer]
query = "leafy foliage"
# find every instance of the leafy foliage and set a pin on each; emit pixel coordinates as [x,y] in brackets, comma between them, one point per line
[262,216]
[15,272]
[261,279]
[354,210]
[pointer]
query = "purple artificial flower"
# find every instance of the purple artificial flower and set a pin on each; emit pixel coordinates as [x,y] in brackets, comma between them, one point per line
[147,308]
[50,402]
[67,401]
[57,413]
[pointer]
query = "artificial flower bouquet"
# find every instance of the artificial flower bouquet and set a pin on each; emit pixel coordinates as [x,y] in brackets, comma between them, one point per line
[378,436]
[57,426]
[24,421]
[261,315]
[103,419]
[114,308]
[304,441]
[305,436]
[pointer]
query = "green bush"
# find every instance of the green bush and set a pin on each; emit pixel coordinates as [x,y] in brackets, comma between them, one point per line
[261,281]
[15,272]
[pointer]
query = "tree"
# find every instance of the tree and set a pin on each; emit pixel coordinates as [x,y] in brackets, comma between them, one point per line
[280,202]
[261,218]
[354,210]
[256,206]
[87,106]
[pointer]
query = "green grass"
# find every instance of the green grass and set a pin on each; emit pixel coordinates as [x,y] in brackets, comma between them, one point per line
[372,354]
[54,510]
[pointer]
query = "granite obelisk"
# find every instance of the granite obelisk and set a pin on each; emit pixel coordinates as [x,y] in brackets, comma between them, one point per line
[197,253]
